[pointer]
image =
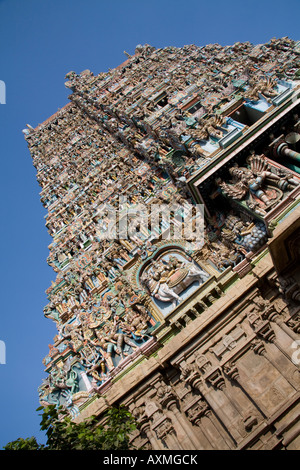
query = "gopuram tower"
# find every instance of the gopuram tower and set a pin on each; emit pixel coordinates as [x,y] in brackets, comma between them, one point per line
[197,336]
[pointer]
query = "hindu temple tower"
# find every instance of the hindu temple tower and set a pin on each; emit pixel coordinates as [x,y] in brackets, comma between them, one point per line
[200,340]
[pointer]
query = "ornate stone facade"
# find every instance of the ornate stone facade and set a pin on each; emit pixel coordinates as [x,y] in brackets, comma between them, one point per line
[199,340]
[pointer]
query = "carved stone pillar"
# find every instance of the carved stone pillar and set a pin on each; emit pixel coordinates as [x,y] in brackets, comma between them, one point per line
[155,443]
[187,319]
[214,376]
[165,432]
[168,400]
[190,374]
[162,426]
[195,312]
[212,425]
[145,427]
[196,410]
[250,417]
[294,324]
[216,379]
[269,312]
[263,329]
[259,348]
[288,287]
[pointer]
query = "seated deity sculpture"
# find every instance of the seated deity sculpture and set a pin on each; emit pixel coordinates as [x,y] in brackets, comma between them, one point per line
[167,278]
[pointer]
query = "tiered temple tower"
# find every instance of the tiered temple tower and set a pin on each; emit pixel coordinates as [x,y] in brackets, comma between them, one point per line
[199,338]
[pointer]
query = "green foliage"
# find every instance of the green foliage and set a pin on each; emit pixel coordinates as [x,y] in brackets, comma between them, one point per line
[23,444]
[64,434]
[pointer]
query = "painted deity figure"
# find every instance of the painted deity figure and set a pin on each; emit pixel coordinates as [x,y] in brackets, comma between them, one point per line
[111,342]
[92,360]
[75,334]
[213,127]
[58,378]
[266,87]
[136,322]
[107,348]
[119,338]
[166,279]
[252,183]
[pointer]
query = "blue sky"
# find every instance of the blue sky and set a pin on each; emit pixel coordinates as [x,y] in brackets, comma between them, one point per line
[40,41]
